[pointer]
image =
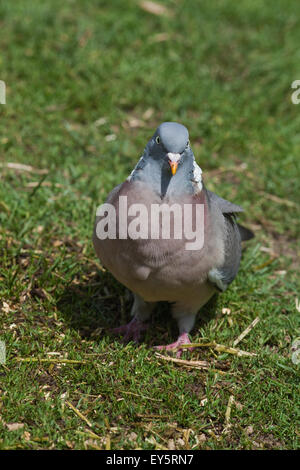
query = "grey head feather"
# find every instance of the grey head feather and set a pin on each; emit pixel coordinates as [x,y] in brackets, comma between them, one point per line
[173,136]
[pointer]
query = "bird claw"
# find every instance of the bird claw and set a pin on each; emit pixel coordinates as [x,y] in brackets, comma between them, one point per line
[130,331]
[182,339]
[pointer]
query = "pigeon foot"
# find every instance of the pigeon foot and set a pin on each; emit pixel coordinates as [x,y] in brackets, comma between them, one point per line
[182,339]
[131,331]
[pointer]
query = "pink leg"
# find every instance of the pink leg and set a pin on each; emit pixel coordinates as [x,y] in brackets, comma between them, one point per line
[131,331]
[182,339]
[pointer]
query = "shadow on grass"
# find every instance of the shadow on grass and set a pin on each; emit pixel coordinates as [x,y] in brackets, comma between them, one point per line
[95,306]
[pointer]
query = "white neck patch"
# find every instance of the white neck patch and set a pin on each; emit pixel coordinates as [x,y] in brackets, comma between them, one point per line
[197,176]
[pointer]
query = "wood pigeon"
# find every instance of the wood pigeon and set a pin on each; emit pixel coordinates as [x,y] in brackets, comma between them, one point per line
[157,268]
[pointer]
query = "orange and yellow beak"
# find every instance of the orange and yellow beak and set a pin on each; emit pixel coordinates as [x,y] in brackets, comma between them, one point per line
[173,166]
[173,161]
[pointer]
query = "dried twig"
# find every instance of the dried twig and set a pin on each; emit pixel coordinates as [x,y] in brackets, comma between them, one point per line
[246,331]
[148,427]
[190,364]
[220,348]
[79,413]
[89,433]
[199,364]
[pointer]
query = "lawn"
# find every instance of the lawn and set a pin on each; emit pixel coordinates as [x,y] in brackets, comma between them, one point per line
[87,83]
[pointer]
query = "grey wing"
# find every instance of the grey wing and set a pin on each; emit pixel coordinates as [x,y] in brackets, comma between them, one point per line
[225,206]
[245,233]
[228,208]
[221,277]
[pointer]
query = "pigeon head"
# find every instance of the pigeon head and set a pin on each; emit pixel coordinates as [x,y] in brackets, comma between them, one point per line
[171,140]
[168,163]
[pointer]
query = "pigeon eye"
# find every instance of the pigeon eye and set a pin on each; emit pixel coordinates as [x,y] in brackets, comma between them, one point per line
[157,140]
[187,144]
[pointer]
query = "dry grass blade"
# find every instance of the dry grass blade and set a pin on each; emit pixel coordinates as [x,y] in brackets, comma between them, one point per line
[81,416]
[155,8]
[94,263]
[238,169]
[4,207]
[21,167]
[107,443]
[246,331]
[140,396]
[152,416]
[279,200]
[49,184]
[228,409]
[227,414]
[186,437]
[161,37]
[55,361]
[263,265]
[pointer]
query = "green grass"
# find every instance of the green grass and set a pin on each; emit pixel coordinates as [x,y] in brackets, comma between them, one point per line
[77,72]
